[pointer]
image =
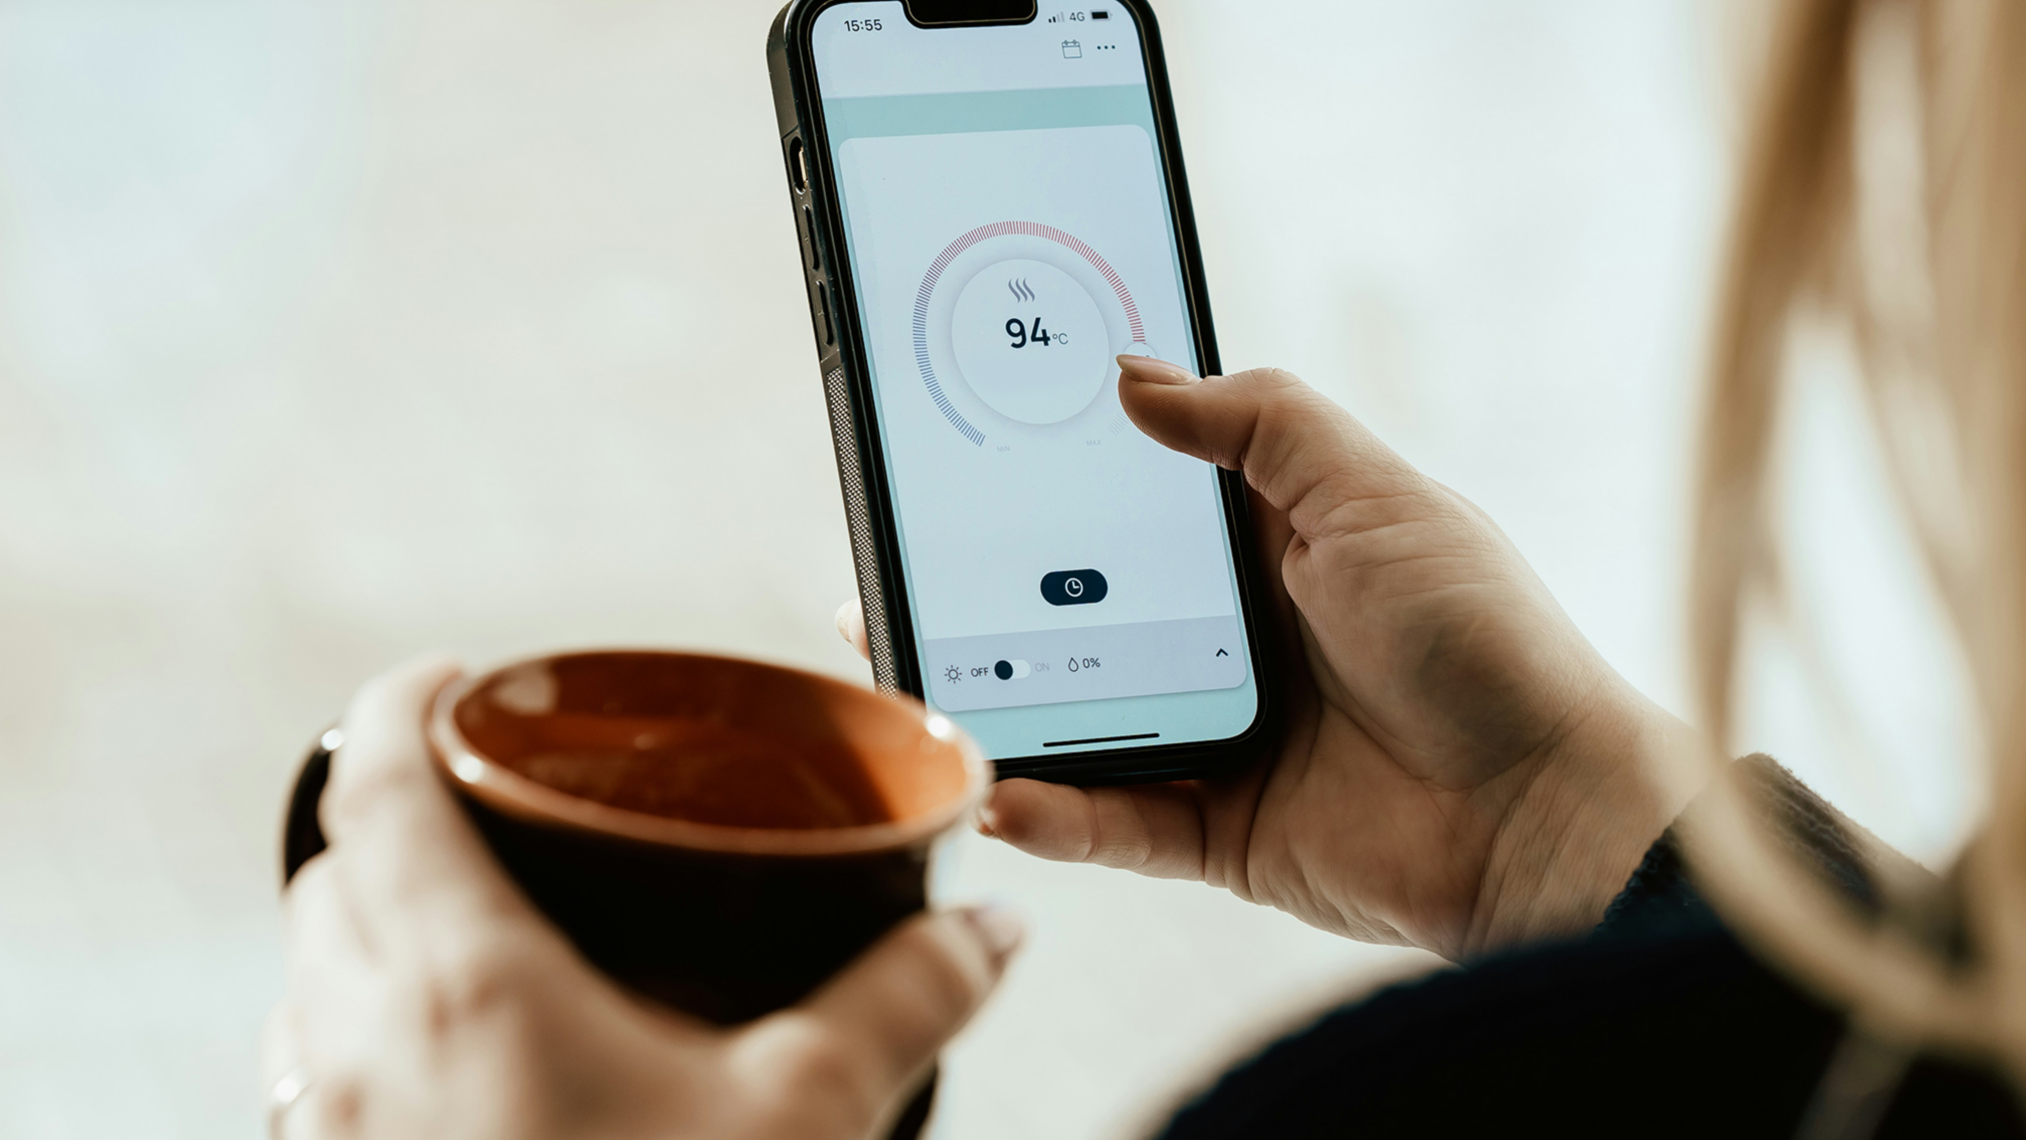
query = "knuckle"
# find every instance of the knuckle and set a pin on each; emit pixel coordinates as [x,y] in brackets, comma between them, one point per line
[484,983]
[312,882]
[1090,847]
[360,792]
[337,1106]
[830,1078]
[399,694]
[1270,381]
[309,904]
[946,988]
[1125,853]
[1118,835]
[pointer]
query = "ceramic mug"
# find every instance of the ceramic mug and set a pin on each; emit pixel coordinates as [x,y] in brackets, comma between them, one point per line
[718,834]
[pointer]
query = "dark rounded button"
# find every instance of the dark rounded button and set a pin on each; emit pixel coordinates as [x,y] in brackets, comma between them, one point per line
[1003,670]
[1074,587]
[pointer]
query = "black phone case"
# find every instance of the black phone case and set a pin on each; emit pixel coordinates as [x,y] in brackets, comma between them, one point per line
[861,470]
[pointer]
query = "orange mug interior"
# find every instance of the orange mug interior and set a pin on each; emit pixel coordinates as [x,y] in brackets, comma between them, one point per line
[696,749]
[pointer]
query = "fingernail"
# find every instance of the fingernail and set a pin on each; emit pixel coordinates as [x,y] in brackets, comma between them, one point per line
[1152,371]
[988,823]
[1000,927]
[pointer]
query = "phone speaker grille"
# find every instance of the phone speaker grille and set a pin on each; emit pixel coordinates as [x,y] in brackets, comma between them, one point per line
[858,515]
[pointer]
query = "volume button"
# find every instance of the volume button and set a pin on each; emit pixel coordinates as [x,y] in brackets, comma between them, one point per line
[826,335]
[809,240]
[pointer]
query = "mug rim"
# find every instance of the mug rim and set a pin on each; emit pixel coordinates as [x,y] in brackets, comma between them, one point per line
[510,793]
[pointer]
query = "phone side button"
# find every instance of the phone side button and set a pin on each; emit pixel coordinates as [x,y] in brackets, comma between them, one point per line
[826,335]
[809,240]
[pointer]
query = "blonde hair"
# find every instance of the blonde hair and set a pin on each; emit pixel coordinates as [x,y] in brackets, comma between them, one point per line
[1889,190]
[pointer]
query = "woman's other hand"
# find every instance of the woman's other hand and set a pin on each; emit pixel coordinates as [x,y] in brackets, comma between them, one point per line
[1458,769]
[427,1000]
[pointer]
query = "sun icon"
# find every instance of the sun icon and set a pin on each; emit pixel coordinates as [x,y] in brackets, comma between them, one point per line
[953,674]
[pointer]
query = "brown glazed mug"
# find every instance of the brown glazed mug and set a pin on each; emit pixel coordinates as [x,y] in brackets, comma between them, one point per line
[720,835]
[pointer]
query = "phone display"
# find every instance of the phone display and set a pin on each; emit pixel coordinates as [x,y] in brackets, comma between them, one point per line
[1008,228]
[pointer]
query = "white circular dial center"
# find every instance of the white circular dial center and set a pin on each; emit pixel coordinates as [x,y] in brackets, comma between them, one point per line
[1030,341]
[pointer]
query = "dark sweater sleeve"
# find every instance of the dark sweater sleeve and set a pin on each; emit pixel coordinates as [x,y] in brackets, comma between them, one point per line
[1658,1025]
[1661,899]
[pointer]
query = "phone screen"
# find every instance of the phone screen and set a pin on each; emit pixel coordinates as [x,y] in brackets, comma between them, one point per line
[1008,234]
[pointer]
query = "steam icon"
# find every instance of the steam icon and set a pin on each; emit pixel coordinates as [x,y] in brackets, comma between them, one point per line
[1020,289]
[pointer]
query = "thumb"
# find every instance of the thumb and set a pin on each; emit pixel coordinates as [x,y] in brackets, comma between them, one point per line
[869,1035]
[1298,449]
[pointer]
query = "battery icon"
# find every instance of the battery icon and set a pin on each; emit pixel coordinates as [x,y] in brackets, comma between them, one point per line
[1100,14]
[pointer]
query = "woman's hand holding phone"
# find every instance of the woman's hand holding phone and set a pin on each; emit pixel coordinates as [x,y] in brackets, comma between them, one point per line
[1458,769]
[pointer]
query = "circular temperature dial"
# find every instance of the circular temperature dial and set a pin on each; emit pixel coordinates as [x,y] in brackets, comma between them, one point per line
[1015,326]
[1029,340]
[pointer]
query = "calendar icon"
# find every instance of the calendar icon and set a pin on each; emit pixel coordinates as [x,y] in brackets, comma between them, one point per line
[1072,49]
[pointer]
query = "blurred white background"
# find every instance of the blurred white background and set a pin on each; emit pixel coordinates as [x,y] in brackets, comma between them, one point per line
[331,332]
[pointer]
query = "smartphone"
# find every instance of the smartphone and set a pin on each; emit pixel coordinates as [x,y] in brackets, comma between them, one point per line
[991,207]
